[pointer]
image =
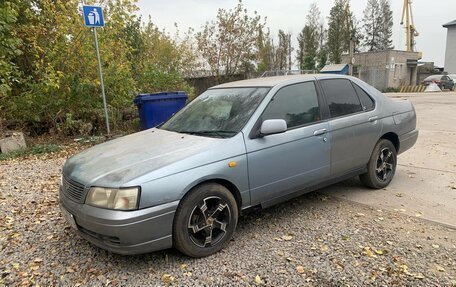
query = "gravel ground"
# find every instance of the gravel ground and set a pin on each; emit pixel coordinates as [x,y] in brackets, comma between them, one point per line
[313,240]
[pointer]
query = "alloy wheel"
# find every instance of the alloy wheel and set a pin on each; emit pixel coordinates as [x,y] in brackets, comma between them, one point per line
[208,222]
[385,164]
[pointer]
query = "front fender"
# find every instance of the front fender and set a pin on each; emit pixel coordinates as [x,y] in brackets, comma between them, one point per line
[175,186]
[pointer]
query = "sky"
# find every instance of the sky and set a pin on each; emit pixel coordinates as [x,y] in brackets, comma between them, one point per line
[289,15]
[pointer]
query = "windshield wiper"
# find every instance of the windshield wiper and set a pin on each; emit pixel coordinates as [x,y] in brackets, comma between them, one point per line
[219,133]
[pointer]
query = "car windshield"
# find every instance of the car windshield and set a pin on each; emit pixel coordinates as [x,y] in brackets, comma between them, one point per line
[217,113]
[453,77]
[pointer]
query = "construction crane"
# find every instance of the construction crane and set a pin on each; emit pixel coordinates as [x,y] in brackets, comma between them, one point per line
[411,31]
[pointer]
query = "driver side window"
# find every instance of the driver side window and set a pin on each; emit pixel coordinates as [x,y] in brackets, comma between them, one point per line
[296,104]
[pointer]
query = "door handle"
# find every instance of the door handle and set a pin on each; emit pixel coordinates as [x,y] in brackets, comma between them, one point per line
[319,132]
[373,119]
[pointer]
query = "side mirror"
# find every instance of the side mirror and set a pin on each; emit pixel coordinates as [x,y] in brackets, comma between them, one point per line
[269,127]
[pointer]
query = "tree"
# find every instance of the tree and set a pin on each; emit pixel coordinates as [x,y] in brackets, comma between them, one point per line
[340,21]
[9,48]
[266,55]
[308,40]
[386,25]
[49,60]
[227,44]
[322,48]
[372,26]
[284,51]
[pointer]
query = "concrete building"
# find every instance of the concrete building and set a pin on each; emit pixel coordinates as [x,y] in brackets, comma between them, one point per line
[386,69]
[450,53]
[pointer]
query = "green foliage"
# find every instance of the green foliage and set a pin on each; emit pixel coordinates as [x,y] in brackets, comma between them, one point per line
[52,82]
[309,40]
[341,27]
[35,150]
[45,148]
[9,44]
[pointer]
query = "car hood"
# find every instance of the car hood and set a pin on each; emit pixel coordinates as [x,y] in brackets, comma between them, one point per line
[117,162]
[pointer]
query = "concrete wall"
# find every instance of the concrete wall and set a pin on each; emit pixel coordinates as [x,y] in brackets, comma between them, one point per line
[385,69]
[450,54]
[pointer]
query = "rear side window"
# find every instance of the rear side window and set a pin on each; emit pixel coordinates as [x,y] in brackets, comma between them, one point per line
[366,101]
[296,104]
[341,97]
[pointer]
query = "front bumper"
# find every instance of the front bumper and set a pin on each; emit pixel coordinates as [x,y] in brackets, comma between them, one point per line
[406,141]
[123,232]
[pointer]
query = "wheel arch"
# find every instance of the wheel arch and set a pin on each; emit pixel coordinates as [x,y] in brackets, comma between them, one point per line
[393,138]
[223,182]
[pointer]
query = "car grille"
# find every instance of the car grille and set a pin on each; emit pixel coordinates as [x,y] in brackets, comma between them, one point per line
[74,190]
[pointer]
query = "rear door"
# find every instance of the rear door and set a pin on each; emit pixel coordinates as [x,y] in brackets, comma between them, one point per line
[354,125]
[282,163]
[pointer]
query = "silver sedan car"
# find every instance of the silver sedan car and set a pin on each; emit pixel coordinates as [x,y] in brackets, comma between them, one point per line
[237,147]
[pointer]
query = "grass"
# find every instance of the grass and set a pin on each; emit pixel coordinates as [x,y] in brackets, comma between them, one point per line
[35,150]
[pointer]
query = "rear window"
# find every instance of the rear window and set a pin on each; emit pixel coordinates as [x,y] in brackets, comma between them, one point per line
[341,97]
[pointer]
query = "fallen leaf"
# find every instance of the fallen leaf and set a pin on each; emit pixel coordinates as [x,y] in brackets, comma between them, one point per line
[34,267]
[436,246]
[369,252]
[287,237]
[360,214]
[258,280]
[183,266]
[440,268]
[300,269]
[290,259]
[324,248]
[70,270]
[379,252]
[167,279]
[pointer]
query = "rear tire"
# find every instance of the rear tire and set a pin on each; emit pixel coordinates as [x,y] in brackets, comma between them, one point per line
[382,165]
[205,220]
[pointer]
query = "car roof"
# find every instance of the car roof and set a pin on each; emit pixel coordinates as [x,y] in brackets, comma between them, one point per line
[277,80]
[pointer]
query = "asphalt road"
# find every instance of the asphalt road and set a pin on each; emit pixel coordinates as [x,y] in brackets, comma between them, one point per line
[425,181]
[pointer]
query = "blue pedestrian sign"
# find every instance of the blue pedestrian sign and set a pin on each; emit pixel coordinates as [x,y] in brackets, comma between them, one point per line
[93,16]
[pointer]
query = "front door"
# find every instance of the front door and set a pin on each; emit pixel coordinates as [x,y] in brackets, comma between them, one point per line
[282,163]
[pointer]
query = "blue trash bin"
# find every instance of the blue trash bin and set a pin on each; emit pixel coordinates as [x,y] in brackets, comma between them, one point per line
[156,108]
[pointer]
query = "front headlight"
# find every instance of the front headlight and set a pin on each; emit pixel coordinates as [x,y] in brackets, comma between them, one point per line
[114,198]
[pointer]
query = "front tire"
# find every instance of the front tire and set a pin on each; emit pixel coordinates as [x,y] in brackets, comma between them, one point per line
[382,165]
[205,220]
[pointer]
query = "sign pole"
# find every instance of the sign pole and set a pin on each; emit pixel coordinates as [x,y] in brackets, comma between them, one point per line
[101,81]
